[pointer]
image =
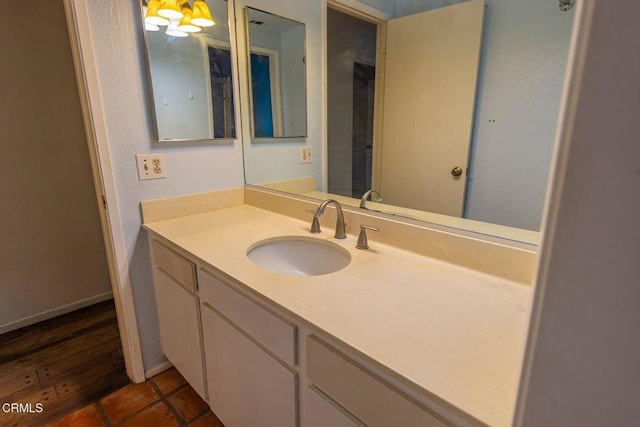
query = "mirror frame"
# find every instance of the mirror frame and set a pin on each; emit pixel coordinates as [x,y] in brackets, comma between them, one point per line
[235,73]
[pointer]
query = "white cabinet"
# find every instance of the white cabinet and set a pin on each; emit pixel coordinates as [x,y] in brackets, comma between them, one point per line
[178,315]
[240,353]
[361,392]
[247,386]
[320,412]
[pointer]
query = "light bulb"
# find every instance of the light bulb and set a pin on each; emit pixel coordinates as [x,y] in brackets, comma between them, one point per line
[201,14]
[170,9]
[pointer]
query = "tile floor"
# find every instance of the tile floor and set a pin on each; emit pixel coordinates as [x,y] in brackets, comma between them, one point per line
[164,400]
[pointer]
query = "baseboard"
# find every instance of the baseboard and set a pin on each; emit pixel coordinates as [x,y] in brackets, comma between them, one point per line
[157,369]
[58,311]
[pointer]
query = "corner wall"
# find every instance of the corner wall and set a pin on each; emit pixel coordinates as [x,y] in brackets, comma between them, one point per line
[118,47]
[581,367]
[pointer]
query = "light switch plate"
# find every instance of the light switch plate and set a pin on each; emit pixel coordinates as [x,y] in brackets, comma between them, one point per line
[151,166]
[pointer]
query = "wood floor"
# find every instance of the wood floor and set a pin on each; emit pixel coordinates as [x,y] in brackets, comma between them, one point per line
[63,364]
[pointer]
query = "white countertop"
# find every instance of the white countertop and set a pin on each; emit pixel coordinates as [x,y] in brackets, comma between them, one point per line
[457,333]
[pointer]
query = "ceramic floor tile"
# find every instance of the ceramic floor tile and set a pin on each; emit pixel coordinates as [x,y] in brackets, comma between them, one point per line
[157,415]
[187,403]
[207,420]
[169,381]
[89,416]
[128,400]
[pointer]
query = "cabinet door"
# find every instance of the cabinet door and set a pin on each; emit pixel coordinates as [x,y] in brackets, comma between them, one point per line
[319,412]
[247,387]
[179,329]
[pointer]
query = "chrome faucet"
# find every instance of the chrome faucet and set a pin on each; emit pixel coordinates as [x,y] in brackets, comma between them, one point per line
[375,197]
[340,228]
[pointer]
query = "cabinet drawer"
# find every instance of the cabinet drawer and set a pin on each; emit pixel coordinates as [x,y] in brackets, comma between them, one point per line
[360,392]
[265,327]
[178,267]
[321,413]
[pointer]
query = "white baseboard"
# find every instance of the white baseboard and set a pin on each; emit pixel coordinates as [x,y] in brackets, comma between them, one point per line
[157,369]
[58,311]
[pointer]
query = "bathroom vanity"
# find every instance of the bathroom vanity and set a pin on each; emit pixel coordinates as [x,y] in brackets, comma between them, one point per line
[394,338]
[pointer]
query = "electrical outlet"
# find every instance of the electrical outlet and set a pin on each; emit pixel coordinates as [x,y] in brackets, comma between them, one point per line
[305,155]
[151,166]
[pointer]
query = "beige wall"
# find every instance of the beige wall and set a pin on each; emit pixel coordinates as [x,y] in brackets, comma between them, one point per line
[51,250]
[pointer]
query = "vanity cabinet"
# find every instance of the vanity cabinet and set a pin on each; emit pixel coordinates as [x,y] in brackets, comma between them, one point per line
[249,353]
[178,313]
[258,366]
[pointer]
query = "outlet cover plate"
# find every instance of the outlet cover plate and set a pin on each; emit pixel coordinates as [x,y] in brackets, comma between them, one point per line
[305,155]
[151,166]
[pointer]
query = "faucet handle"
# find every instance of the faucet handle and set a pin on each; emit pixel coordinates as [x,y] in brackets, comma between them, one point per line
[362,238]
[315,224]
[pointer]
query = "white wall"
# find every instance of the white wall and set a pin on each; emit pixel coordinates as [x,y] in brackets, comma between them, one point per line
[293,81]
[52,256]
[582,366]
[117,41]
[522,67]
[280,160]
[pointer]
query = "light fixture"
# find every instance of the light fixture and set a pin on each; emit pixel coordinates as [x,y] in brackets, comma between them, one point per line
[170,9]
[201,14]
[172,29]
[185,23]
[151,16]
[151,27]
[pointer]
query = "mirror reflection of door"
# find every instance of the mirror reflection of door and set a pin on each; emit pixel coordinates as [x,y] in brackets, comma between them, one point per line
[425,125]
[351,59]
[221,93]
[362,148]
[430,72]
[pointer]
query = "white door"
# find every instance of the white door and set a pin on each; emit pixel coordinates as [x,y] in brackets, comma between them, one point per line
[430,79]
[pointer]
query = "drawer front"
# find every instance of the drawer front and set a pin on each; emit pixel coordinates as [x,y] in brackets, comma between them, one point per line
[319,412]
[269,330]
[178,267]
[360,392]
[178,319]
[247,386]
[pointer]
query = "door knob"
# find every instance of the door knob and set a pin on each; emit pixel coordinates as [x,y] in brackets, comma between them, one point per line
[457,171]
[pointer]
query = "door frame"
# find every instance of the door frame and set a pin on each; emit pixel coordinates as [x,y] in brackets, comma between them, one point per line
[104,183]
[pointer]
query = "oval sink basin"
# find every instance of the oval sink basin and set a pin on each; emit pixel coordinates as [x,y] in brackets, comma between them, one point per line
[299,256]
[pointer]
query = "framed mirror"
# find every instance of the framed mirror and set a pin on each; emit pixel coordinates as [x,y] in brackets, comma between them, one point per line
[277,75]
[191,68]
[488,96]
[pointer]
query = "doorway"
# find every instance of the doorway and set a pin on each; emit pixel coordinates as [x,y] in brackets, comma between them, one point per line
[364,78]
[351,64]
[53,260]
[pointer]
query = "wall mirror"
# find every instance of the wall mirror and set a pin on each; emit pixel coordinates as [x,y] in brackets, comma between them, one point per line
[277,75]
[191,67]
[447,108]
